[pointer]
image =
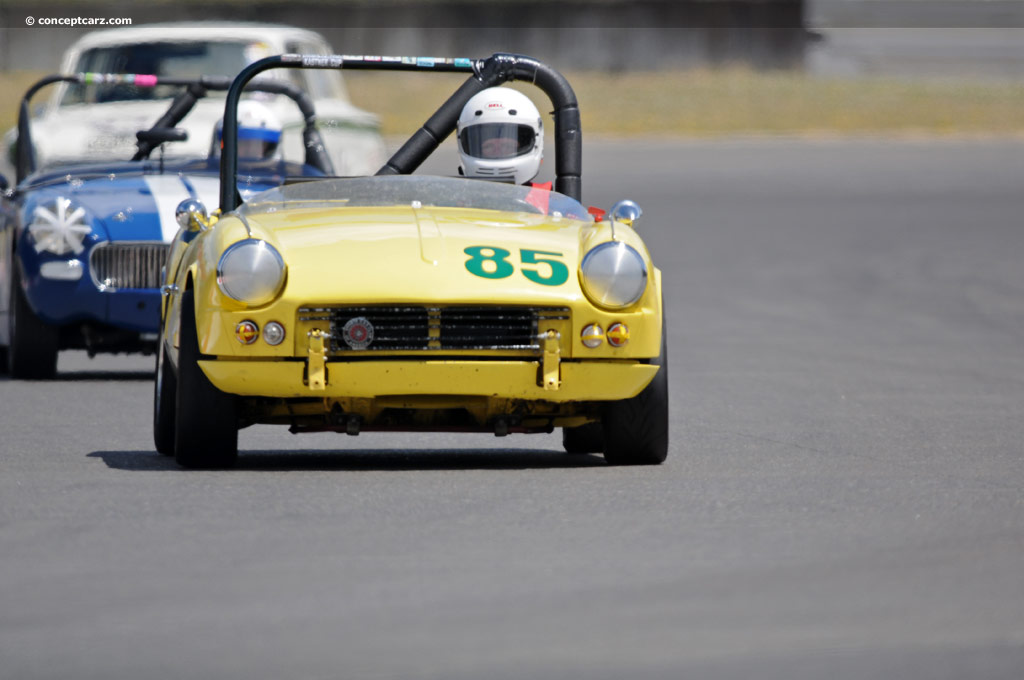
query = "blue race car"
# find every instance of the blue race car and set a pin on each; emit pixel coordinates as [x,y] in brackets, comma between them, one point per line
[82,246]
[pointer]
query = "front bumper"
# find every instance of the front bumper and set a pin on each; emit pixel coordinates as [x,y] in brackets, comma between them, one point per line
[576,380]
[64,302]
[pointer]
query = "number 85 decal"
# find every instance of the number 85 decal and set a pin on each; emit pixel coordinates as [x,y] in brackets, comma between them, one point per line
[491,262]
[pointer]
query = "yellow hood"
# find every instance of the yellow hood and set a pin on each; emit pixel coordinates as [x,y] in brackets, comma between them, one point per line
[405,254]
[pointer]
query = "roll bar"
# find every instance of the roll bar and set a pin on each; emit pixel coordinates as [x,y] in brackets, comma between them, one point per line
[484,73]
[195,89]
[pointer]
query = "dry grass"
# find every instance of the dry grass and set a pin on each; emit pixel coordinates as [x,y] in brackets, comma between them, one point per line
[707,103]
[13,84]
[736,101]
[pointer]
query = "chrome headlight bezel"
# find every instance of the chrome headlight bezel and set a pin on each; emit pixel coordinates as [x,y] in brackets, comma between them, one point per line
[251,271]
[613,275]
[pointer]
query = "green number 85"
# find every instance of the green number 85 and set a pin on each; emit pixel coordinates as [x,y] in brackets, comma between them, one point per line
[502,268]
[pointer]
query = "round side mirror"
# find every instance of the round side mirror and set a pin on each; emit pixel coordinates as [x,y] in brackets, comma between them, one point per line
[626,211]
[191,214]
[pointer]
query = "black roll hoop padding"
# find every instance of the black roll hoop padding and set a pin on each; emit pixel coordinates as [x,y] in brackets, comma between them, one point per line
[195,89]
[316,155]
[160,135]
[179,108]
[485,73]
[25,153]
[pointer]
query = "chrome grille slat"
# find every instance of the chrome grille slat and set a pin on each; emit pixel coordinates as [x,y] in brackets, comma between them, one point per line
[115,266]
[405,328]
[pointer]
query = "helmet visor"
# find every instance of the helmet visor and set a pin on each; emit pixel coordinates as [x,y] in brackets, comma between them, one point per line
[497,140]
[257,142]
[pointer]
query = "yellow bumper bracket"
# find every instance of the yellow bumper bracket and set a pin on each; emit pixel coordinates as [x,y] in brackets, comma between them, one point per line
[316,370]
[550,374]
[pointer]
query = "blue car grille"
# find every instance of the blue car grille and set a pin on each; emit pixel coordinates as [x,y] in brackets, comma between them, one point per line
[127,265]
[397,328]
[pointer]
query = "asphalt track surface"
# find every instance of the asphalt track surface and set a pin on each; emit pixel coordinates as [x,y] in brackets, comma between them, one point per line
[842,499]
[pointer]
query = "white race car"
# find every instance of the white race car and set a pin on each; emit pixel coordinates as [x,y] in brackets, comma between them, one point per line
[98,122]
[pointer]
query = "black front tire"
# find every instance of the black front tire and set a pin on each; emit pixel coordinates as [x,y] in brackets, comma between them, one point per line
[206,419]
[636,429]
[587,438]
[165,390]
[32,354]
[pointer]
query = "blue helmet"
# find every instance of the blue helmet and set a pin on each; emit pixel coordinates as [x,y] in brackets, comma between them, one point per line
[259,131]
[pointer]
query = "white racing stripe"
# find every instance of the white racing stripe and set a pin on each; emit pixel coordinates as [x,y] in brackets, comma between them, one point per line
[168,191]
[206,189]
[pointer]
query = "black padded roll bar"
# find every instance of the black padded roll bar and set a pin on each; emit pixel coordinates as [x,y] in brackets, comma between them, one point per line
[195,89]
[24,155]
[485,73]
[179,108]
[312,142]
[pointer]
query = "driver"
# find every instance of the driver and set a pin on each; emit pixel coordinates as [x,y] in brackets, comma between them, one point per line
[500,136]
[259,132]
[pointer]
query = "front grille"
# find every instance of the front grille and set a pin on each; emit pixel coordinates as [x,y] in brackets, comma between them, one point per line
[128,265]
[415,328]
[489,328]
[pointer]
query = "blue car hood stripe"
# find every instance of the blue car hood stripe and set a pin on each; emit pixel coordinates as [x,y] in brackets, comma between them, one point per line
[170,190]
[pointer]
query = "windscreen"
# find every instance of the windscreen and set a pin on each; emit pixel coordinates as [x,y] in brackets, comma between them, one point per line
[422,190]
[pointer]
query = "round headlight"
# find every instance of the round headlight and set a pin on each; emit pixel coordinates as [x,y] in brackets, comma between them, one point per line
[613,275]
[59,227]
[251,271]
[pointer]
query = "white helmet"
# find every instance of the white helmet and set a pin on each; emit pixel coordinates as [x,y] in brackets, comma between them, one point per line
[259,131]
[501,136]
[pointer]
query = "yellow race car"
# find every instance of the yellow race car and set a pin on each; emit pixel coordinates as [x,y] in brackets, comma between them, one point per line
[406,302]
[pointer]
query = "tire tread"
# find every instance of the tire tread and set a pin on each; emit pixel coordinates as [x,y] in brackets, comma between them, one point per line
[32,354]
[636,430]
[206,422]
